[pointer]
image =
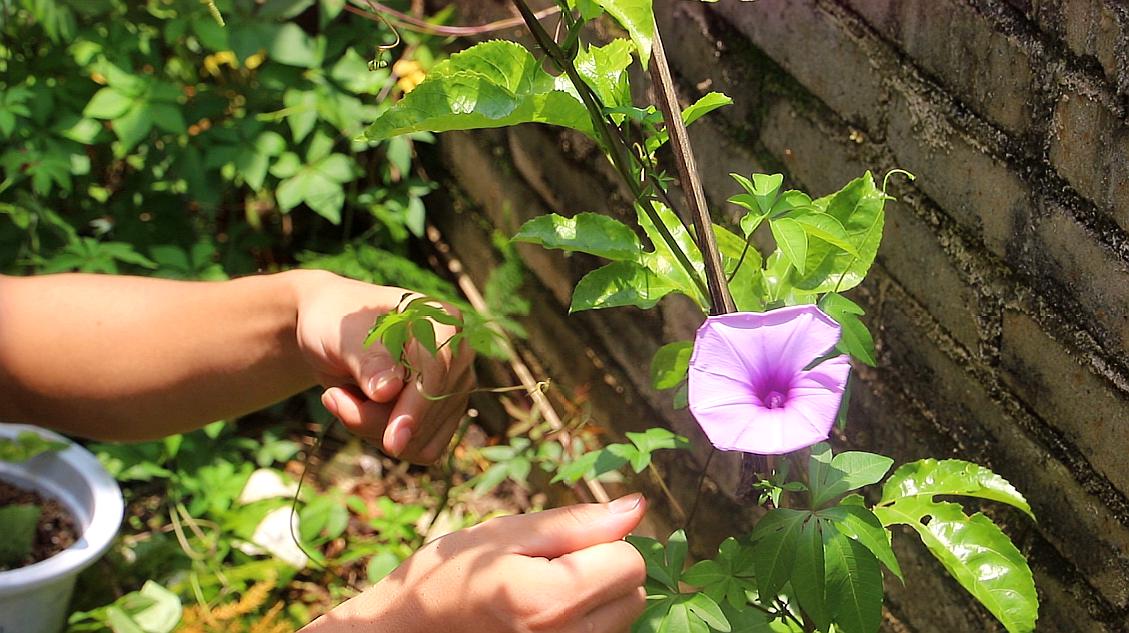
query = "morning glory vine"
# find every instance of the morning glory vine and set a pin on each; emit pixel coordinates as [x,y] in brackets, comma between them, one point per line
[767,373]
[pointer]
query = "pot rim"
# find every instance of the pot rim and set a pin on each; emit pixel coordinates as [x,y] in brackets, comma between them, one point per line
[93,541]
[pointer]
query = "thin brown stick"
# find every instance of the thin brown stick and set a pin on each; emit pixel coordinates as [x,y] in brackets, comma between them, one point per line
[411,22]
[721,302]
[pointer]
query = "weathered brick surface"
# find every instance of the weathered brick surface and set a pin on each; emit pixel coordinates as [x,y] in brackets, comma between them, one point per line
[1068,395]
[1089,146]
[804,41]
[1091,271]
[1000,301]
[984,430]
[951,41]
[1092,29]
[978,190]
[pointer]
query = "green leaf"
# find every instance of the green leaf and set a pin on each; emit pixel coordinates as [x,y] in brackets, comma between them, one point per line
[855,338]
[620,284]
[18,524]
[746,283]
[859,208]
[662,260]
[636,17]
[976,553]
[604,68]
[107,103]
[826,228]
[858,523]
[808,574]
[854,584]
[493,84]
[708,103]
[670,364]
[775,541]
[133,126]
[591,233]
[291,46]
[792,239]
[708,611]
[951,477]
[847,471]
[654,556]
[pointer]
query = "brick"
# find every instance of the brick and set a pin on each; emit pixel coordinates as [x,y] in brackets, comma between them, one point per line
[1091,28]
[912,254]
[1098,280]
[949,40]
[804,39]
[1088,28]
[977,190]
[1070,397]
[985,433]
[1089,144]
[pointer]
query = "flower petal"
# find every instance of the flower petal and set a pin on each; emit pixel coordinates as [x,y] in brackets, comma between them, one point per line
[738,357]
[783,341]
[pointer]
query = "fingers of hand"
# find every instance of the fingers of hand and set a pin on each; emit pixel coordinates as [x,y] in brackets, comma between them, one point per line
[559,531]
[360,415]
[612,617]
[599,573]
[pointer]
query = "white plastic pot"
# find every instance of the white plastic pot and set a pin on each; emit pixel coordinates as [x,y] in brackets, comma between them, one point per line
[34,599]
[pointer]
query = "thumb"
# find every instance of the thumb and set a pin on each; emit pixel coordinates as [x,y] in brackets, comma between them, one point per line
[559,531]
[377,374]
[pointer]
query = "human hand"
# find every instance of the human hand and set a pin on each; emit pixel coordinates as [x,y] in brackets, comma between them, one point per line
[365,387]
[559,571]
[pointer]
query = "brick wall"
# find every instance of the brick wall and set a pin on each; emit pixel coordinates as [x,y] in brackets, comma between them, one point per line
[1000,302]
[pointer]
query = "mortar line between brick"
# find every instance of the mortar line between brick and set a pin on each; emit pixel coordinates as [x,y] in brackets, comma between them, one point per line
[1030,422]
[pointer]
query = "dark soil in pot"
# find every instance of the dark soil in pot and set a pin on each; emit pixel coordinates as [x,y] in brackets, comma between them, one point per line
[54,531]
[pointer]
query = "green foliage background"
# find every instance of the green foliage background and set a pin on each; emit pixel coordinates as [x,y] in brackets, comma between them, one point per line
[143,137]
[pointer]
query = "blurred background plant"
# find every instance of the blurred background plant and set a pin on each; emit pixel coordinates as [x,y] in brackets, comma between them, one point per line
[144,138]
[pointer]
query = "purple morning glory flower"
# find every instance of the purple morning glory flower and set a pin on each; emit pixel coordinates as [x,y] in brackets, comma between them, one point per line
[748,387]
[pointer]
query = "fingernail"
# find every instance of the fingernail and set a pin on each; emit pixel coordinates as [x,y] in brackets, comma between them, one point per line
[401,435]
[380,382]
[330,403]
[625,504]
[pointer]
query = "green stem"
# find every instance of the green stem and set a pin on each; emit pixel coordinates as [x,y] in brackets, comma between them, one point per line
[612,140]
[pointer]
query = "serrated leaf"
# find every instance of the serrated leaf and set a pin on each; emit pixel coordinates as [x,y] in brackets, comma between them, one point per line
[775,539]
[619,284]
[976,553]
[951,477]
[592,233]
[670,364]
[604,68]
[854,585]
[490,85]
[826,228]
[742,265]
[858,206]
[662,260]
[636,17]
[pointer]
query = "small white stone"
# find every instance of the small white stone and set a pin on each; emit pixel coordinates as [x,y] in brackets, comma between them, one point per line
[274,535]
[265,483]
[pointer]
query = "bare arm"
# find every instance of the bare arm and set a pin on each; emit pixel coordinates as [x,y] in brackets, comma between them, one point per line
[133,358]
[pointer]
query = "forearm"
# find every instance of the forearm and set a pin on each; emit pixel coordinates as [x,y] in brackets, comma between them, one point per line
[134,358]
